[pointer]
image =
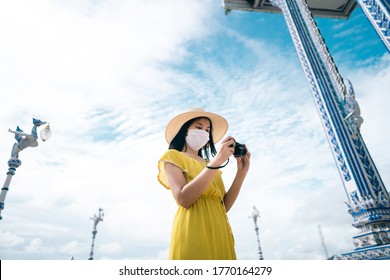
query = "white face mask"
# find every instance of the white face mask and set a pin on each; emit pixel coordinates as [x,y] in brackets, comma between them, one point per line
[197,138]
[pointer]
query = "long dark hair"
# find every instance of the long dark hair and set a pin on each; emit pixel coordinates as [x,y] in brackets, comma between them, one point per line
[179,140]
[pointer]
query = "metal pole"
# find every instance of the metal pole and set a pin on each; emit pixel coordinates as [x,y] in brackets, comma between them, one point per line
[254,216]
[92,245]
[96,219]
[13,163]
[323,242]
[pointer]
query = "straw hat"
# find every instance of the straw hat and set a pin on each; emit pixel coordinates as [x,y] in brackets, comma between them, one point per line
[220,125]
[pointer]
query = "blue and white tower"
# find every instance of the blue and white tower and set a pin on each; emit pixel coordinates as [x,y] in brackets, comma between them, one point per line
[378,12]
[368,199]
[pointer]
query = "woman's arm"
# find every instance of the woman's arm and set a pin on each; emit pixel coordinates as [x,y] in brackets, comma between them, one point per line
[243,164]
[187,193]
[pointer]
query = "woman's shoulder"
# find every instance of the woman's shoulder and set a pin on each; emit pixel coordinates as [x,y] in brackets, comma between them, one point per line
[174,157]
[172,154]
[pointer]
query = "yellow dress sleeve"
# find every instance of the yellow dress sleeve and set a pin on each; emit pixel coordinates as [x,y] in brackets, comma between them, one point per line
[174,157]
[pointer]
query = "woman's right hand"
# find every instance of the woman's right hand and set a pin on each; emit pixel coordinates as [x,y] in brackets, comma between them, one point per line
[225,150]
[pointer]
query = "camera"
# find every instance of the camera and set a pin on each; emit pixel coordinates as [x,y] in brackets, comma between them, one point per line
[239,150]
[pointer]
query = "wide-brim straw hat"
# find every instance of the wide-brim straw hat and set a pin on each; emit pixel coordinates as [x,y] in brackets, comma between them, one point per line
[220,124]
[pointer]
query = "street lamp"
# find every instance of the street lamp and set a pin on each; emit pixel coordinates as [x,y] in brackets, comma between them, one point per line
[24,140]
[255,215]
[96,219]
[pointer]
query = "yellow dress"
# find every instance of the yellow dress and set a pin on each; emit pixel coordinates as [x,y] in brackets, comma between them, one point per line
[201,232]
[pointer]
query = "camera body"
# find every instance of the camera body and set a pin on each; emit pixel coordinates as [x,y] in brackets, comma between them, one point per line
[239,150]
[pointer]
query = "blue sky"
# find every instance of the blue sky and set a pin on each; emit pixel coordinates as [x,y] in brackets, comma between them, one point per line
[109,75]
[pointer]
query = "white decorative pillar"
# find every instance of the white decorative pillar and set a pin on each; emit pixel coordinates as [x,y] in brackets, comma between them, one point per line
[378,12]
[368,199]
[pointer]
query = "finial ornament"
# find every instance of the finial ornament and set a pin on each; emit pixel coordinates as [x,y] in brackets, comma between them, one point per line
[25,140]
[97,218]
[254,216]
[352,109]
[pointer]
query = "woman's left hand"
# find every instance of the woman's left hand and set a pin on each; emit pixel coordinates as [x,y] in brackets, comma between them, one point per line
[243,162]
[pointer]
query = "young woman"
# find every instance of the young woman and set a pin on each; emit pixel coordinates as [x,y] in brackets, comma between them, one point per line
[201,230]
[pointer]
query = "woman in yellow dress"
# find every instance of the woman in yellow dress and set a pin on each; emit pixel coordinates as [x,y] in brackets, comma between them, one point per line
[201,230]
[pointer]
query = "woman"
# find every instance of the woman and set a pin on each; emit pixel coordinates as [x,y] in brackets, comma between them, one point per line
[200,229]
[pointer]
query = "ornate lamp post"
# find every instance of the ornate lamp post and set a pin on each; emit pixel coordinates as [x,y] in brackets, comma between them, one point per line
[24,140]
[255,215]
[96,219]
[323,242]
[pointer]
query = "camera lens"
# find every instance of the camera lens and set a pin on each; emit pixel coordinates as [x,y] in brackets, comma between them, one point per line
[239,150]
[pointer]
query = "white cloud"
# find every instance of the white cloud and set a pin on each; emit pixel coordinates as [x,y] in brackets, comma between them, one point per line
[36,246]
[71,248]
[110,248]
[9,239]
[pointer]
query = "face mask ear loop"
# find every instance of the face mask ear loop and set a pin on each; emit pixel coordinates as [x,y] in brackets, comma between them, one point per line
[217,167]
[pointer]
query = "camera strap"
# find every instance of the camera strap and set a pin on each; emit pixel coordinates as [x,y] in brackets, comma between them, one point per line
[218,167]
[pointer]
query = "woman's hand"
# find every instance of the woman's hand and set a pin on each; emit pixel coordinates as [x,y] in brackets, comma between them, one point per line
[243,162]
[226,149]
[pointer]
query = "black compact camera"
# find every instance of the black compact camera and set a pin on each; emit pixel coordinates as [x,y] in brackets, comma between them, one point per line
[239,150]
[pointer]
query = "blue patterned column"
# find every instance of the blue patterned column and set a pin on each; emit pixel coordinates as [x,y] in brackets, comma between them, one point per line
[368,199]
[378,12]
